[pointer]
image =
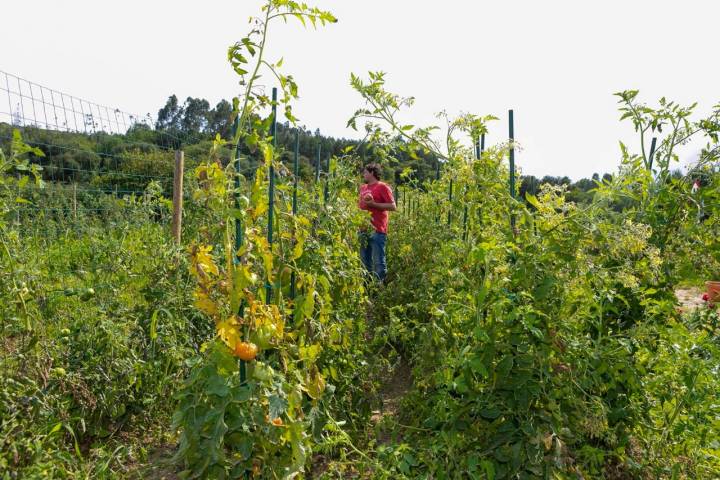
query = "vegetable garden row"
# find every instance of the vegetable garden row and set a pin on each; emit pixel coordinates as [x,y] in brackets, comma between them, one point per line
[543,337]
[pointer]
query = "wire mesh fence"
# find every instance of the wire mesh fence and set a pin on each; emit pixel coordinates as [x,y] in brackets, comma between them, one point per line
[32,104]
[93,150]
[88,148]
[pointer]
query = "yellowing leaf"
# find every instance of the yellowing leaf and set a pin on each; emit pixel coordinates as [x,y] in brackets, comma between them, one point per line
[314,384]
[202,265]
[298,249]
[257,194]
[229,331]
[300,237]
[267,256]
[547,441]
[310,353]
[205,304]
[259,210]
[243,277]
[267,151]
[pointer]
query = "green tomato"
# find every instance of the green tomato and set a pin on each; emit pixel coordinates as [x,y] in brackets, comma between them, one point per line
[87,294]
[262,372]
[263,336]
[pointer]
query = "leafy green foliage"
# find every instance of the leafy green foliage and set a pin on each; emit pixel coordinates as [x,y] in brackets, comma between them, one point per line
[550,348]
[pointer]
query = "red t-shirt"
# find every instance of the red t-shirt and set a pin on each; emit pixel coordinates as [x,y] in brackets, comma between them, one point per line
[381,193]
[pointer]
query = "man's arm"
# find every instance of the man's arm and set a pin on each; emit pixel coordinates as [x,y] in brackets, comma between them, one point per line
[387,200]
[382,206]
[362,205]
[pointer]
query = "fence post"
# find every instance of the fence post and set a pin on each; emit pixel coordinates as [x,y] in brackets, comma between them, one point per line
[512,164]
[74,201]
[177,195]
[10,111]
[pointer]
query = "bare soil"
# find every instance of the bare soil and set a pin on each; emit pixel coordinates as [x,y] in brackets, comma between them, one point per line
[394,388]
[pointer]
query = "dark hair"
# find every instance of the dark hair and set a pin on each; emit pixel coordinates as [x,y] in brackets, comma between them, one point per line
[375,169]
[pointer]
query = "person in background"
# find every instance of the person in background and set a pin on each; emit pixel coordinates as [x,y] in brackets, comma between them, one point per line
[377,198]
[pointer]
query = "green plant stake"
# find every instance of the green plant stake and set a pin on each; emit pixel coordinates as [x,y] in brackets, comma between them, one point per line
[450,199]
[482,150]
[465,216]
[478,151]
[437,179]
[512,165]
[271,191]
[239,237]
[295,199]
[652,153]
[326,191]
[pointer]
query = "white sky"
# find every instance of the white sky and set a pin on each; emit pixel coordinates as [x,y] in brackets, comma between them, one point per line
[555,62]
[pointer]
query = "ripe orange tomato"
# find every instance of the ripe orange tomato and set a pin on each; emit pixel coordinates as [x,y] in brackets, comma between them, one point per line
[246,351]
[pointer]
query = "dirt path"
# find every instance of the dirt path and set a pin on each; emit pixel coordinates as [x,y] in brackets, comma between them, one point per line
[158,465]
[394,388]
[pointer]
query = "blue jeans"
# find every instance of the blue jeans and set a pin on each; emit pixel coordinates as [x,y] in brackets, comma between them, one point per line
[372,253]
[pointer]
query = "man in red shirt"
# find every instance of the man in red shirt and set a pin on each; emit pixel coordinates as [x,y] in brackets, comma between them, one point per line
[377,198]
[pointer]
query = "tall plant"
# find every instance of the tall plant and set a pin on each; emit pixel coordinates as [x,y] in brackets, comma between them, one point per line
[293,344]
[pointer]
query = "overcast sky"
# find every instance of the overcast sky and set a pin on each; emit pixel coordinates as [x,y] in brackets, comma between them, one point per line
[556,63]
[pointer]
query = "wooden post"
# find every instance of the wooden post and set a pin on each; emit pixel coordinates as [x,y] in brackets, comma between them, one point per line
[178,195]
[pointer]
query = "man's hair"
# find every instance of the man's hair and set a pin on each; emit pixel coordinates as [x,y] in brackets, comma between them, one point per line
[375,169]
